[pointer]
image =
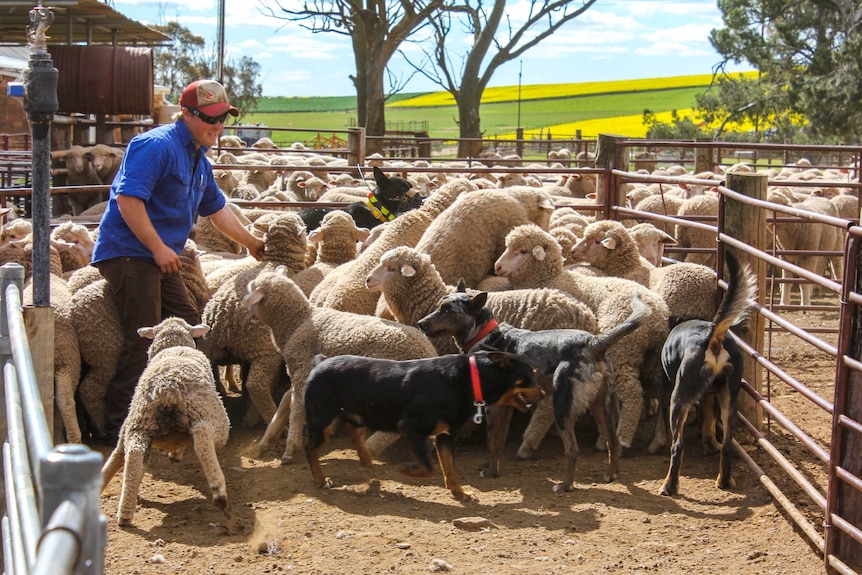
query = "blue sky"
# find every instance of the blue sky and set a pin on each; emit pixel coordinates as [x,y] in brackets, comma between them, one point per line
[613,40]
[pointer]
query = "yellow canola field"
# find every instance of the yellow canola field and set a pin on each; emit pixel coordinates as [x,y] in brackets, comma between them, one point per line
[628,126]
[544,91]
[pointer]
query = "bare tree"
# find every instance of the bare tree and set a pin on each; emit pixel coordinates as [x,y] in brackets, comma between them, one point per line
[482,22]
[376,29]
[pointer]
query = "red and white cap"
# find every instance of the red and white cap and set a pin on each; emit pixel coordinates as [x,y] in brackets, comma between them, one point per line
[208,96]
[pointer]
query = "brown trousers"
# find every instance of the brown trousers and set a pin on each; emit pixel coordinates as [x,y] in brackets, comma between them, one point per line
[143,297]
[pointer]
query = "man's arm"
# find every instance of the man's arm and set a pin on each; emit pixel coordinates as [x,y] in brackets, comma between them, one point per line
[134,212]
[227,223]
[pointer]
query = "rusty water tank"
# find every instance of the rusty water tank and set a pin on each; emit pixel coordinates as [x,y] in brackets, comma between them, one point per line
[104,79]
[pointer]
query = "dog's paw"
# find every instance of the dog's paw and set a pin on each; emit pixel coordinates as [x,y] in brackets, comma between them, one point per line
[563,487]
[720,483]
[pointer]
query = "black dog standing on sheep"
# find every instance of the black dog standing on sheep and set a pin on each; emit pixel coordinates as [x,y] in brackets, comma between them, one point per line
[391,197]
[419,398]
[701,364]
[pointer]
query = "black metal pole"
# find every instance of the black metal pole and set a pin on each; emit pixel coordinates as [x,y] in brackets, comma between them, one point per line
[40,101]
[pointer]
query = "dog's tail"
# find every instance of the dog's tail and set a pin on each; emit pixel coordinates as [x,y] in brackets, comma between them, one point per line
[603,341]
[741,287]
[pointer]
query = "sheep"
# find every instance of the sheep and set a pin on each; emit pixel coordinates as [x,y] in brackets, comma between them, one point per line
[209,238]
[77,245]
[336,240]
[811,236]
[576,185]
[688,289]
[585,159]
[16,230]
[312,188]
[234,338]
[467,237]
[411,287]
[83,277]
[662,205]
[175,404]
[100,334]
[79,172]
[563,156]
[533,259]
[300,330]
[344,288]
[226,181]
[106,161]
[688,237]
[651,242]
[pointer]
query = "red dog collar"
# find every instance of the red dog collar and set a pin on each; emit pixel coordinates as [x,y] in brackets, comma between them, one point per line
[478,402]
[486,329]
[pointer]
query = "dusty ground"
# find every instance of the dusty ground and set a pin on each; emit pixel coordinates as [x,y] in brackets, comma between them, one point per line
[379,521]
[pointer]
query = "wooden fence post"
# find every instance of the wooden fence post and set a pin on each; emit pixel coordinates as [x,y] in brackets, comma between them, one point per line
[355,146]
[608,192]
[748,224]
[703,160]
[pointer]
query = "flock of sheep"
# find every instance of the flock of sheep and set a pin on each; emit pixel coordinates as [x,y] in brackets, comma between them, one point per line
[340,289]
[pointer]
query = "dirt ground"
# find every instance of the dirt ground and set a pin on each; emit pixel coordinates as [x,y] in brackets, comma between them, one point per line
[379,521]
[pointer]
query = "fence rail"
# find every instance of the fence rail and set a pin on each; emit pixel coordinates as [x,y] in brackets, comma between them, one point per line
[53,523]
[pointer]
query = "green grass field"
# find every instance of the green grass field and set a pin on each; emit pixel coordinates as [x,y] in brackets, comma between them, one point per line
[539,109]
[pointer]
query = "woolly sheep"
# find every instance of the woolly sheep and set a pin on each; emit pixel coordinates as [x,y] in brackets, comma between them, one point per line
[209,238]
[467,237]
[687,289]
[78,245]
[106,161]
[344,288]
[226,181]
[661,205]
[300,330]
[336,239]
[16,230]
[100,334]
[175,405]
[651,242]
[411,287]
[234,338]
[79,172]
[813,236]
[689,237]
[533,259]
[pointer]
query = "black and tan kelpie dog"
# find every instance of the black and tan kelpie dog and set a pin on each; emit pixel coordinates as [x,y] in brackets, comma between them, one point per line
[701,364]
[419,398]
[575,359]
[391,197]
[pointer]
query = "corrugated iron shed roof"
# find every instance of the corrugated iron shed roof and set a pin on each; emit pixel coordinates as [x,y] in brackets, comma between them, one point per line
[77,22]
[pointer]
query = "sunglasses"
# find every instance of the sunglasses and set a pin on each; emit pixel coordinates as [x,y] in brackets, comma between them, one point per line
[208,119]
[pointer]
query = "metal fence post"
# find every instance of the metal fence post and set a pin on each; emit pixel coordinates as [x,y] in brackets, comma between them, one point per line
[71,483]
[9,274]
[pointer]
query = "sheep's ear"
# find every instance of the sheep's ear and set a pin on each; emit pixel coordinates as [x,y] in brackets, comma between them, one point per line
[362,234]
[547,204]
[281,270]
[316,236]
[199,330]
[610,243]
[539,253]
[252,298]
[408,271]
[666,238]
[147,332]
[462,286]
[261,227]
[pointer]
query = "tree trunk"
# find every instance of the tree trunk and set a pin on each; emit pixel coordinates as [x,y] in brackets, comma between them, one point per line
[469,123]
[375,117]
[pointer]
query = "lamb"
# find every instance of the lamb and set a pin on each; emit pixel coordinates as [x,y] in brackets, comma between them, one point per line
[688,289]
[16,230]
[662,205]
[412,288]
[336,239]
[175,405]
[467,237]
[344,288]
[234,338]
[811,236]
[533,259]
[301,330]
[100,334]
[226,181]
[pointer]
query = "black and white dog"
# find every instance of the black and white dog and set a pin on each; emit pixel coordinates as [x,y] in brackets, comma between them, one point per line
[701,364]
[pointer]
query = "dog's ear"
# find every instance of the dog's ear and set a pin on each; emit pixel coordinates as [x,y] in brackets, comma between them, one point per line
[380,178]
[477,302]
[487,347]
[462,286]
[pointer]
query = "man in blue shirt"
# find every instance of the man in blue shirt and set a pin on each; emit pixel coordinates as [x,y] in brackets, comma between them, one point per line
[165,182]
